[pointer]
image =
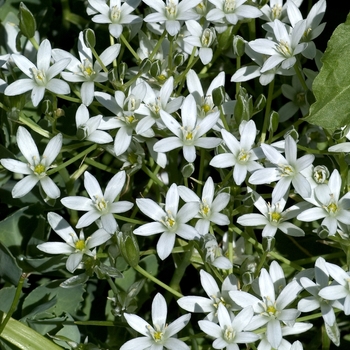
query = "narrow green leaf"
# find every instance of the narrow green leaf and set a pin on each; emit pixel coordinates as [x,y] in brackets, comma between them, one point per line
[332,86]
[25,338]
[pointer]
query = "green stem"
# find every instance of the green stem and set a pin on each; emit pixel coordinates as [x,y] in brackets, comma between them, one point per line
[143,272]
[72,160]
[133,52]
[14,301]
[159,43]
[267,112]
[300,76]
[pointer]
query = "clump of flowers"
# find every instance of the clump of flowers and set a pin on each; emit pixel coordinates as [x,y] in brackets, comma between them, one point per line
[192,158]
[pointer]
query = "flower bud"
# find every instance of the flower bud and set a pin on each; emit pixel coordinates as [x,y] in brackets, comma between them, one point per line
[89,38]
[274,121]
[238,45]
[179,59]
[128,245]
[156,68]
[187,170]
[219,96]
[145,65]
[27,23]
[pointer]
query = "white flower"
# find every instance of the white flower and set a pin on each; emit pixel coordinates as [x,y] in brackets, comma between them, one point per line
[313,27]
[84,70]
[209,208]
[287,170]
[189,135]
[99,205]
[204,101]
[230,330]
[213,253]
[171,12]
[252,71]
[276,10]
[87,127]
[241,155]
[329,206]
[75,246]
[127,115]
[315,301]
[216,297]
[161,335]
[156,101]
[203,38]
[169,222]
[284,49]
[41,77]
[231,11]
[270,310]
[339,291]
[274,217]
[115,14]
[36,167]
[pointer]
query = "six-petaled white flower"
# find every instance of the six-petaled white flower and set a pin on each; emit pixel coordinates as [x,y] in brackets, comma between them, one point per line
[99,205]
[76,246]
[160,335]
[189,135]
[36,167]
[41,76]
[169,221]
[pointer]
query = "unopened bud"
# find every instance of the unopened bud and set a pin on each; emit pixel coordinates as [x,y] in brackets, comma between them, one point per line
[128,245]
[27,23]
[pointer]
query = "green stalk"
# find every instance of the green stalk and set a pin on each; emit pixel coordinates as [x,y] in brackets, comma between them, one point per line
[133,52]
[267,112]
[14,302]
[143,272]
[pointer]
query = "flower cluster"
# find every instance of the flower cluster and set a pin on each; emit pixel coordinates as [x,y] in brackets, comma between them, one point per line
[197,121]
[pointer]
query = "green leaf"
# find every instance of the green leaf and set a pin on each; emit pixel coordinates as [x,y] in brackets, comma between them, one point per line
[68,300]
[25,338]
[332,85]
[9,269]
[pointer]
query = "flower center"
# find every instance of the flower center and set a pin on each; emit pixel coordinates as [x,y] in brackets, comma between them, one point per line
[284,49]
[205,209]
[229,334]
[276,11]
[188,135]
[300,98]
[171,10]
[39,169]
[101,204]
[271,310]
[87,69]
[320,174]
[275,216]
[206,108]
[207,37]
[229,6]
[39,76]
[201,8]
[332,208]
[286,170]
[80,244]
[115,14]
[243,156]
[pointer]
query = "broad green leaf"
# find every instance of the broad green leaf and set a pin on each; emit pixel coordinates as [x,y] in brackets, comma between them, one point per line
[68,300]
[332,85]
[6,296]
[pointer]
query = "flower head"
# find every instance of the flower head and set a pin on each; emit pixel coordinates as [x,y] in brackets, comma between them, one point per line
[41,76]
[329,206]
[76,246]
[161,334]
[169,222]
[85,70]
[190,133]
[99,205]
[36,167]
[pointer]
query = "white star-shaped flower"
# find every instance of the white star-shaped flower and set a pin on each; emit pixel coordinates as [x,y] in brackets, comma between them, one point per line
[41,76]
